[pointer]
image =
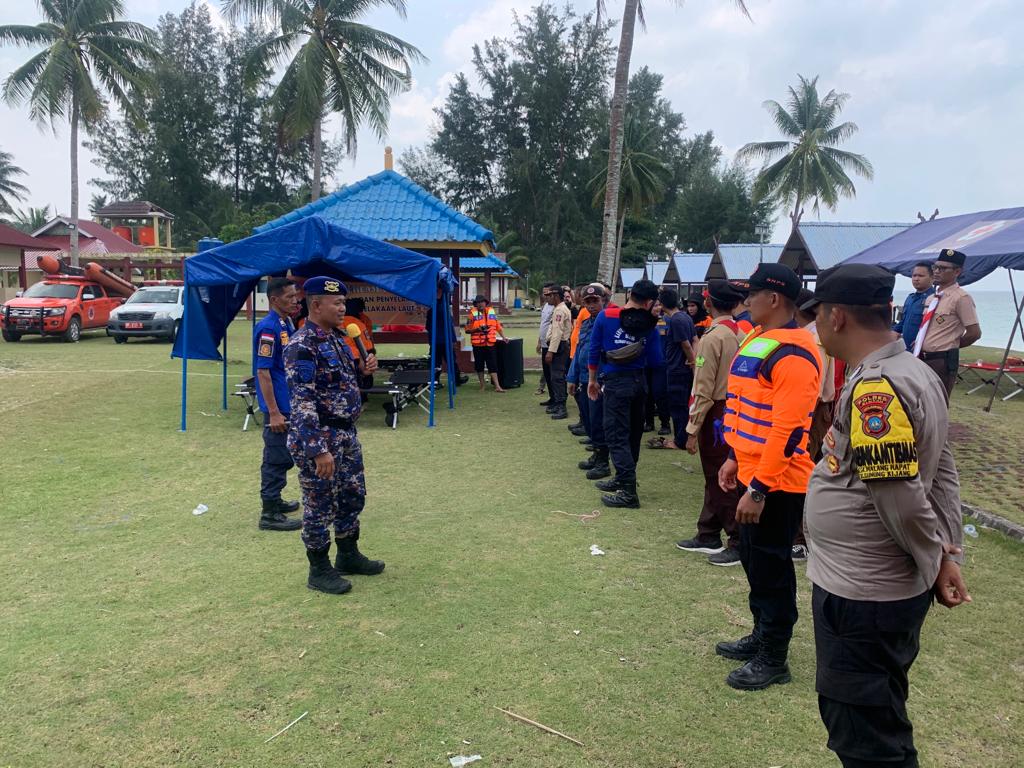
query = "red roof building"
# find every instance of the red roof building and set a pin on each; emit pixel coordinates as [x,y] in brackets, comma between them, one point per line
[93,239]
[13,267]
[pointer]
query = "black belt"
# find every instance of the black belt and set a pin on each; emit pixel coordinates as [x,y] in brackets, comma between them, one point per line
[938,355]
[336,423]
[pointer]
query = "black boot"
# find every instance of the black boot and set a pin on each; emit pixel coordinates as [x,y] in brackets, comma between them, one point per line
[743,649]
[560,413]
[665,429]
[322,577]
[578,431]
[288,506]
[273,519]
[624,498]
[588,463]
[351,561]
[611,484]
[577,425]
[600,467]
[545,403]
[761,671]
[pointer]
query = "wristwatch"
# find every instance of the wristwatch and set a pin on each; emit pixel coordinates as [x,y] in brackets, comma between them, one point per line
[757,496]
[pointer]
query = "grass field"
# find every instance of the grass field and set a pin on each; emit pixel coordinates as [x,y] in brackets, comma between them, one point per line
[137,634]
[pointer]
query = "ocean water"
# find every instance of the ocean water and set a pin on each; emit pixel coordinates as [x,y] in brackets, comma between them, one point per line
[996,313]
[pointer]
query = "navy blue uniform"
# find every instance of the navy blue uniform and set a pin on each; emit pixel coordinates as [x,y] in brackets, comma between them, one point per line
[270,336]
[325,403]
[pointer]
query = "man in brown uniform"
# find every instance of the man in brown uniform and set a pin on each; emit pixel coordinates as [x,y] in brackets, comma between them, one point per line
[950,320]
[884,521]
[715,352]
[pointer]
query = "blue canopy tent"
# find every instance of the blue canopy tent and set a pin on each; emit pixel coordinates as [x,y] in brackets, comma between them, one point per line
[218,281]
[990,240]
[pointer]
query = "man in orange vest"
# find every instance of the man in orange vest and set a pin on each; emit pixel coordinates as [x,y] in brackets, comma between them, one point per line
[483,329]
[772,392]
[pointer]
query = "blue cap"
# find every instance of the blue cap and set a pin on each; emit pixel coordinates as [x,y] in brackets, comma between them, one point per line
[324,286]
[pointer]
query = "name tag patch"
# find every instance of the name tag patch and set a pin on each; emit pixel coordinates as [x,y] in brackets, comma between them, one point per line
[881,434]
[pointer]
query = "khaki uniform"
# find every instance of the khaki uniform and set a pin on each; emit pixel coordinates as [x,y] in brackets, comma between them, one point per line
[717,348]
[880,506]
[954,313]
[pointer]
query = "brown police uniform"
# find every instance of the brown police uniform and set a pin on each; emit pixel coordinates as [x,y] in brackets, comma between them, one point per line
[715,352]
[941,348]
[880,506]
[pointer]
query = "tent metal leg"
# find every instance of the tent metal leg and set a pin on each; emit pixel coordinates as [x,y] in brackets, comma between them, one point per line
[224,372]
[1009,342]
[184,356]
[433,364]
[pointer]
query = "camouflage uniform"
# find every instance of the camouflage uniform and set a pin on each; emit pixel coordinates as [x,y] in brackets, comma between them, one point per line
[324,382]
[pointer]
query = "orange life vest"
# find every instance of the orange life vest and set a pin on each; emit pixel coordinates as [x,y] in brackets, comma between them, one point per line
[744,326]
[773,389]
[483,327]
[574,338]
[364,333]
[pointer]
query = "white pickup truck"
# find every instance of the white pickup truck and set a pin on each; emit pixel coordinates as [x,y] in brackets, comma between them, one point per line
[153,310]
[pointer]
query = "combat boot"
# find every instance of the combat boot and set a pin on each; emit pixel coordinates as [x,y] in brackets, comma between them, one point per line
[288,506]
[601,467]
[273,519]
[743,649]
[560,413]
[351,561]
[588,463]
[322,577]
[611,484]
[578,430]
[761,671]
[624,498]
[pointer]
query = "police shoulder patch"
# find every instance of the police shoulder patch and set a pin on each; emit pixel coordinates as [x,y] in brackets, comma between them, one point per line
[881,434]
[266,345]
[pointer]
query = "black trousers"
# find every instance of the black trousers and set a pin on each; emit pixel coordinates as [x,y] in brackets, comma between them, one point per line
[596,433]
[679,387]
[559,366]
[583,403]
[767,557]
[545,368]
[276,463]
[625,394]
[656,403]
[864,651]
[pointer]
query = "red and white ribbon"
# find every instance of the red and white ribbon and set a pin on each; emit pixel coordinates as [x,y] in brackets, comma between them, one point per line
[929,313]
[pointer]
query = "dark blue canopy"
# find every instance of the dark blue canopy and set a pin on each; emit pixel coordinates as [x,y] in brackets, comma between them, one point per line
[989,239]
[221,279]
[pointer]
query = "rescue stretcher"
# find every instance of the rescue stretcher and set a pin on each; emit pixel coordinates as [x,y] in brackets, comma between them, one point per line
[987,375]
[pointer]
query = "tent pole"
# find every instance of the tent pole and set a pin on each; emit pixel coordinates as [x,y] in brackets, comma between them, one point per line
[184,353]
[433,369]
[224,369]
[1009,342]
[448,352]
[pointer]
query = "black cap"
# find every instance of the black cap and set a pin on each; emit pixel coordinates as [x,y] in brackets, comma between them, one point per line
[856,285]
[778,278]
[950,256]
[726,292]
[479,297]
[696,298]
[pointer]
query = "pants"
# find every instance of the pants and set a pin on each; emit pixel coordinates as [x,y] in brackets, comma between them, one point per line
[596,413]
[485,356]
[558,367]
[766,552]
[337,500]
[942,367]
[582,402]
[719,511]
[624,396]
[864,651]
[276,463]
[679,386]
[656,402]
[545,368]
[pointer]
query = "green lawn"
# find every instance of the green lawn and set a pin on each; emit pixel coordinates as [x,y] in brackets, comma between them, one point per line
[137,634]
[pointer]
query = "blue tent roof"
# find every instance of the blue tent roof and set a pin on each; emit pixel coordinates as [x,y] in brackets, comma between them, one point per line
[219,280]
[691,267]
[656,271]
[388,206]
[989,239]
[817,245]
[737,261]
[629,275]
[482,263]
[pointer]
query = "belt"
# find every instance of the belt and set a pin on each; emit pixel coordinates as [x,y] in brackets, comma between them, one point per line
[938,355]
[336,422]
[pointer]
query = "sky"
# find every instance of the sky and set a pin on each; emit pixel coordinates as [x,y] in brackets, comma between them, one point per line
[937,88]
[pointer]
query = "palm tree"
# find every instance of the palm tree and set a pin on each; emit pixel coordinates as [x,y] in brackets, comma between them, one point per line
[339,65]
[643,178]
[9,188]
[31,219]
[807,165]
[616,121]
[88,50]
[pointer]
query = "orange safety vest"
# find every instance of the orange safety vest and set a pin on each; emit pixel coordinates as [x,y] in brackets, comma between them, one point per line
[364,333]
[574,338]
[772,393]
[483,327]
[744,326]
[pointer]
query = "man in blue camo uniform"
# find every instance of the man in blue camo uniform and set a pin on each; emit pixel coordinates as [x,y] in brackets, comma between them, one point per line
[323,378]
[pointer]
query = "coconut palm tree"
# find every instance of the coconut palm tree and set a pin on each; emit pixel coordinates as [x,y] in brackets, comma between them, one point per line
[89,52]
[337,65]
[807,164]
[31,219]
[616,122]
[9,188]
[643,178]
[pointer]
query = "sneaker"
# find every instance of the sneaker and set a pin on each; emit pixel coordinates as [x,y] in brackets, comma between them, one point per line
[704,546]
[799,552]
[728,556]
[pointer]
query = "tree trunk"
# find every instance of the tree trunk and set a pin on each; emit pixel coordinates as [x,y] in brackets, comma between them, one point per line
[616,119]
[317,159]
[618,252]
[74,180]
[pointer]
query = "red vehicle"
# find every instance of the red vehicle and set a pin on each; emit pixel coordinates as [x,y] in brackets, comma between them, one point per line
[58,306]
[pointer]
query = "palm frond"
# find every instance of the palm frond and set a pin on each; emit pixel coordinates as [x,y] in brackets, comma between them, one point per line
[24,35]
[762,150]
